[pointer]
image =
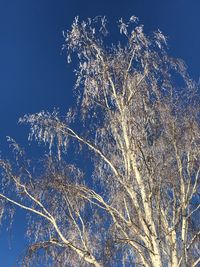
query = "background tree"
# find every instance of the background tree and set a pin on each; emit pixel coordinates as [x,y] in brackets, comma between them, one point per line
[139,116]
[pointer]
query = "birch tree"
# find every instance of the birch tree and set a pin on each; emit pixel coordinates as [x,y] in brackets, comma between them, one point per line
[136,120]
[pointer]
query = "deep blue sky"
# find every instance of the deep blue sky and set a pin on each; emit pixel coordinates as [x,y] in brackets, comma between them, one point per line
[35,76]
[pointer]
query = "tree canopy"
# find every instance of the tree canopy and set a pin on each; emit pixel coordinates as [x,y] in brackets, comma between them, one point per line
[136,120]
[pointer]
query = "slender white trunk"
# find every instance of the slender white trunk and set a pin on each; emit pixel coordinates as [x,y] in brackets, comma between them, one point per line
[174,256]
[156,258]
[184,237]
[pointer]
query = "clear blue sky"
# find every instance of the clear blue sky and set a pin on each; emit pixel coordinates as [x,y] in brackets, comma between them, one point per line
[35,76]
